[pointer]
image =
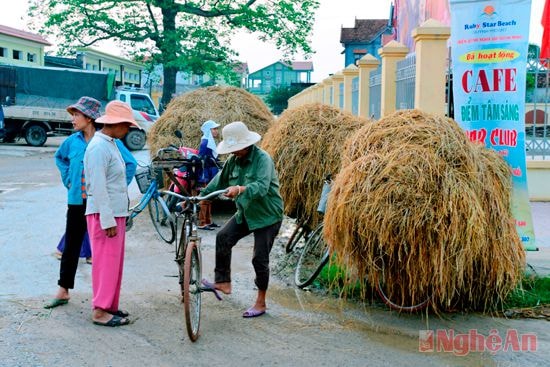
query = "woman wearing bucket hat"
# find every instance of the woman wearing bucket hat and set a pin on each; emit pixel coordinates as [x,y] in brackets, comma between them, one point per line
[69,160]
[250,177]
[209,158]
[106,212]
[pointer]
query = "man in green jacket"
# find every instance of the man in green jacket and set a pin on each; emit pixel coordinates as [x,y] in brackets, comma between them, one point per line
[250,177]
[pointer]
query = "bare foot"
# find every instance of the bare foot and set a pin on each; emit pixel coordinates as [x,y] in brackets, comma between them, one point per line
[224,287]
[62,293]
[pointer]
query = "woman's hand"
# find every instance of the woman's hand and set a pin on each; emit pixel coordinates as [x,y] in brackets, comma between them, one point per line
[111,232]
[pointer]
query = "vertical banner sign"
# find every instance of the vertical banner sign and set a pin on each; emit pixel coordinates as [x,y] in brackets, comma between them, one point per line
[489,41]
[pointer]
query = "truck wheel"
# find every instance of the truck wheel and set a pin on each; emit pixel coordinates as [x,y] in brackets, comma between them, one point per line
[135,139]
[35,135]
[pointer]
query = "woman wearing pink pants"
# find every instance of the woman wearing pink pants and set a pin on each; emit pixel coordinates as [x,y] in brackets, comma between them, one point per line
[106,212]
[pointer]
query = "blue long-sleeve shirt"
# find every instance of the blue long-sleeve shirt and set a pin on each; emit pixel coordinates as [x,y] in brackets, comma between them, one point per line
[69,159]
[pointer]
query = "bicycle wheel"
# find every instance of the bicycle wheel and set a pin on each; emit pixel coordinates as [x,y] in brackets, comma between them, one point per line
[162,219]
[298,237]
[312,259]
[192,290]
[397,296]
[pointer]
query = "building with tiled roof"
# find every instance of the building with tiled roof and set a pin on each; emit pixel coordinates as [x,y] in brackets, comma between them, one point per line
[18,47]
[279,74]
[367,36]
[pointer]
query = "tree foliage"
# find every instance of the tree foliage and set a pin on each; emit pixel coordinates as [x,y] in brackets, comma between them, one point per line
[278,98]
[181,35]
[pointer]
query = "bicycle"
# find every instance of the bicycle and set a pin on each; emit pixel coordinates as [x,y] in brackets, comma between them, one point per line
[160,209]
[189,259]
[152,198]
[315,255]
[303,230]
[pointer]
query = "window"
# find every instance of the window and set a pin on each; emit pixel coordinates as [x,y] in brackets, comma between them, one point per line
[278,77]
[142,103]
[31,57]
[17,55]
[356,58]
[3,52]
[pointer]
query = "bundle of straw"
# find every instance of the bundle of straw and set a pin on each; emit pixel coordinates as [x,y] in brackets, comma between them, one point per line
[416,196]
[189,111]
[306,144]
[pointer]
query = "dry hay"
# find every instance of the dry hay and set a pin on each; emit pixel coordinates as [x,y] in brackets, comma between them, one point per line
[414,192]
[306,144]
[189,111]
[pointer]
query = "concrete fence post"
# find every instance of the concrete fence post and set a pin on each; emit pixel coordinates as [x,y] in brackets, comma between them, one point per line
[431,65]
[349,72]
[317,95]
[327,87]
[391,53]
[337,79]
[366,65]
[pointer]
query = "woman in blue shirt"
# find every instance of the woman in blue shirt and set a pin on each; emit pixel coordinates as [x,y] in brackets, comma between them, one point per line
[69,160]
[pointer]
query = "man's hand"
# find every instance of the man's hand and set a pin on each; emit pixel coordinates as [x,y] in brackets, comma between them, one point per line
[234,191]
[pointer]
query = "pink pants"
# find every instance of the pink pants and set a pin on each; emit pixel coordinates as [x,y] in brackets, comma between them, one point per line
[108,263]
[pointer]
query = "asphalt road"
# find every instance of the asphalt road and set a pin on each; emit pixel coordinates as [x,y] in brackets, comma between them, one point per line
[300,328]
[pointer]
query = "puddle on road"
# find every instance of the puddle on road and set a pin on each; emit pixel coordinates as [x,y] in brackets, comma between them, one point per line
[378,326]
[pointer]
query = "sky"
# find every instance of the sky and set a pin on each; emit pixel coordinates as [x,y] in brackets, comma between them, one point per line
[325,38]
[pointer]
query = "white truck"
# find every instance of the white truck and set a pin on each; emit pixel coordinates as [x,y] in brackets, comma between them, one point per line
[34,101]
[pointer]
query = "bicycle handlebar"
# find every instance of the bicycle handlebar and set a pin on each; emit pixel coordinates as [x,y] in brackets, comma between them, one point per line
[194,198]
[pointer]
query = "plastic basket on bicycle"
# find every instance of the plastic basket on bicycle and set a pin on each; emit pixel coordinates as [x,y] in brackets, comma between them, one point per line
[143,179]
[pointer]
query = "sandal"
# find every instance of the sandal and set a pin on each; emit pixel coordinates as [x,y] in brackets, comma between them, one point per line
[114,321]
[120,313]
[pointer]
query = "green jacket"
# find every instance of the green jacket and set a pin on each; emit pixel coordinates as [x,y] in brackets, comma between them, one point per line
[261,203]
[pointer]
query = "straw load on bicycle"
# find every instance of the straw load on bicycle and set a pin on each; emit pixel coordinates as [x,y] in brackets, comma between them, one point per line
[306,144]
[417,198]
[189,111]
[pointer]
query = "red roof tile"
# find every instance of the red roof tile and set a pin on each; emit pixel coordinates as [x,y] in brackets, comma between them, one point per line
[302,65]
[241,68]
[9,31]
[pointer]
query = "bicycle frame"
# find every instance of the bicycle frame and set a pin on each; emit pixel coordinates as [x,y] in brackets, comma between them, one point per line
[162,219]
[152,192]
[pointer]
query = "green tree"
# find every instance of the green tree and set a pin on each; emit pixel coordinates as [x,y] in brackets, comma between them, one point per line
[181,35]
[278,98]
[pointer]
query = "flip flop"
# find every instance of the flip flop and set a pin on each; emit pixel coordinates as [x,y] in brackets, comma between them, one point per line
[56,302]
[252,312]
[114,321]
[210,287]
[120,313]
